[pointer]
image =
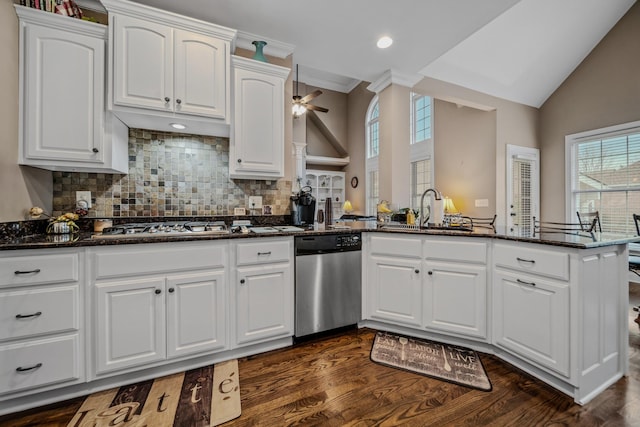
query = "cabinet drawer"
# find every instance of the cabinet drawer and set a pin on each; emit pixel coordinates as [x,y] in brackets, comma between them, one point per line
[38,269]
[405,247]
[41,363]
[467,250]
[532,260]
[154,258]
[264,251]
[28,312]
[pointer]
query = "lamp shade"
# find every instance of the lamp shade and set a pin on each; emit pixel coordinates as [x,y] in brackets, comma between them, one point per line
[347,206]
[449,207]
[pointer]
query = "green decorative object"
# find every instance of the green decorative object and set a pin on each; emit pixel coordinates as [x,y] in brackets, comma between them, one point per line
[259,56]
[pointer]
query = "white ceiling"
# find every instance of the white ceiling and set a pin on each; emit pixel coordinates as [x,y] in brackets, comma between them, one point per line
[519,50]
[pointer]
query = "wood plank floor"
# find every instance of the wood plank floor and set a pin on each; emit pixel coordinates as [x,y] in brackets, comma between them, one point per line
[332,382]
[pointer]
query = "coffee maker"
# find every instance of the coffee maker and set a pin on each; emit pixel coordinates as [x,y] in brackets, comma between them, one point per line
[303,208]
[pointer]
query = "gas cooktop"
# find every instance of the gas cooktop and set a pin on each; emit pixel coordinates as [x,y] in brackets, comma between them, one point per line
[163,229]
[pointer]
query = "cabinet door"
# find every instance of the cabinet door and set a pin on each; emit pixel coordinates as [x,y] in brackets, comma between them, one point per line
[142,64]
[531,318]
[130,323]
[257,147]
[455,298]
[200,74]
[63,99]
[264,303]
[395,290]
[196,315]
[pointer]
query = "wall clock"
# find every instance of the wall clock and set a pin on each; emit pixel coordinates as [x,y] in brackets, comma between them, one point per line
[354,182]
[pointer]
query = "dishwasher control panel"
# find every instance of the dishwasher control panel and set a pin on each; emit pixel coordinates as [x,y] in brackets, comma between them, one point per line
[327,243]
[350,241]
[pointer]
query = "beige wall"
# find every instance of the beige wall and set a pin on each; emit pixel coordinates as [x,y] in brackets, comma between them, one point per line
[358,102]
[604,90]
[515,124]
[394,157]
[20,186]
[465,153]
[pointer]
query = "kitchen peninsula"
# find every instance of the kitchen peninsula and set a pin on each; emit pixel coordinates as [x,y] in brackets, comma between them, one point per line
[554,306]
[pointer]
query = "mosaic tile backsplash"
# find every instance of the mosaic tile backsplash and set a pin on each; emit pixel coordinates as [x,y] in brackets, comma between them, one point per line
[169,175]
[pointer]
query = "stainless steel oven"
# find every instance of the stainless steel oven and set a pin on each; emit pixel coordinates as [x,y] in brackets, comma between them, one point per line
[327,282]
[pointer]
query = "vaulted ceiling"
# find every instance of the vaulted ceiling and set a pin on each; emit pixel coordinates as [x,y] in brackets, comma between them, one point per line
[520,50]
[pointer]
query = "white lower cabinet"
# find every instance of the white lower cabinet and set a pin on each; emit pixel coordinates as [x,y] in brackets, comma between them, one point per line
[41,321]
[428,283]
[263,290]
[395,288]
[455,285]
[164,315]
[532,319]
[455,298]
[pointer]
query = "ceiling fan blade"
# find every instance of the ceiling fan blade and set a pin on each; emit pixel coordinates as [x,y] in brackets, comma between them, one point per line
[316,108]
[312,95]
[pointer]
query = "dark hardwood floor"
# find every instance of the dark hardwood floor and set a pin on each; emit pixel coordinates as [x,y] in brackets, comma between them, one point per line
[332,382]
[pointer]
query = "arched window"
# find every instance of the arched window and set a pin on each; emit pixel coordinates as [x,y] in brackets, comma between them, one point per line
[373,147]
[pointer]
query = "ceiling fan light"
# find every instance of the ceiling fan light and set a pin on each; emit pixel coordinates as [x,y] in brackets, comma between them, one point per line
[298,109]
[384,42]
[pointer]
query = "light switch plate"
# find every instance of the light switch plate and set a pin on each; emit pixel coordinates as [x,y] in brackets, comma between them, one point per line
[83,199]
[482,203]
[255,202]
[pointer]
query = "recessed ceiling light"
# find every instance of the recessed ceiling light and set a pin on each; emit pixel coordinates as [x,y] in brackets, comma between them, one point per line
[384,42]
[178,126]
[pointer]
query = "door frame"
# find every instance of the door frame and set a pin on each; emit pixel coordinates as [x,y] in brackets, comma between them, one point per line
[527,153]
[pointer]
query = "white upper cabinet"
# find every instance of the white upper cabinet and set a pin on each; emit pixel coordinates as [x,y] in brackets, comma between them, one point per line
[142,64]
[63,122]
[256,150]
[167,68]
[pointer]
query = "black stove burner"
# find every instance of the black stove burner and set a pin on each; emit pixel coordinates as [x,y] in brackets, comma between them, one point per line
[165,227]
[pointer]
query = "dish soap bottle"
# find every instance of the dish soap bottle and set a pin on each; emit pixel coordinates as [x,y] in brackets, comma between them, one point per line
[411,218]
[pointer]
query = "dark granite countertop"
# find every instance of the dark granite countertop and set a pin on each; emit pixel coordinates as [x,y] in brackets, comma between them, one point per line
[84,238]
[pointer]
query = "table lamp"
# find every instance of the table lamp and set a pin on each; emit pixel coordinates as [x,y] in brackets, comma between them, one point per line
[347,207]
[449,207]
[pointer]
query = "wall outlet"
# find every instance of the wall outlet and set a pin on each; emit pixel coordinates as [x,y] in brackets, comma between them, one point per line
[83,199]
[255,202]
[482,203]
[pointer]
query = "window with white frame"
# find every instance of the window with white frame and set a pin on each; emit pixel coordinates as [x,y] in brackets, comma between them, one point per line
[421,147]
[373,148]
[604,175]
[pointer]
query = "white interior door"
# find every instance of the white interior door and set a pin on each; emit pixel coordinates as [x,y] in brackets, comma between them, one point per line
[523,189]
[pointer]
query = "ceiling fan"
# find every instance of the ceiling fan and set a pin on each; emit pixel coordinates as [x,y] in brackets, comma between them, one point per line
[301,104]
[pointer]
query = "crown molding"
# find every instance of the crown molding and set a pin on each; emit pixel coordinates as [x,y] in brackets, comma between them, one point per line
[327,80]
[390,77]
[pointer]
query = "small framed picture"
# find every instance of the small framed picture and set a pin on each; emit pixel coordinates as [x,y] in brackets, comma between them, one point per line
[239,211]
[267,210]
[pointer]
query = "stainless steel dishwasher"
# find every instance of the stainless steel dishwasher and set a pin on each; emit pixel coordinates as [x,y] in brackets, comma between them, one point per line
[328,282]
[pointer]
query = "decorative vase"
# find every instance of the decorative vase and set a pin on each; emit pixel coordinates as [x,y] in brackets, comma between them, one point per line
[259,56]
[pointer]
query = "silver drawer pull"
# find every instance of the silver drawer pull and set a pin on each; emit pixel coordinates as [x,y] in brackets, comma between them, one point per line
[526,260]
[522,282]
[37,270]
[26,316]
[264,253]
[30,368]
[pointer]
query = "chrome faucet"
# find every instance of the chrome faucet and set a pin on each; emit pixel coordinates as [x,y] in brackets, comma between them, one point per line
[436,194]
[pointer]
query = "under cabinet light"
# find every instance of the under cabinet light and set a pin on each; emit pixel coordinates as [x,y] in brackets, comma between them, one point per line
[178,126]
